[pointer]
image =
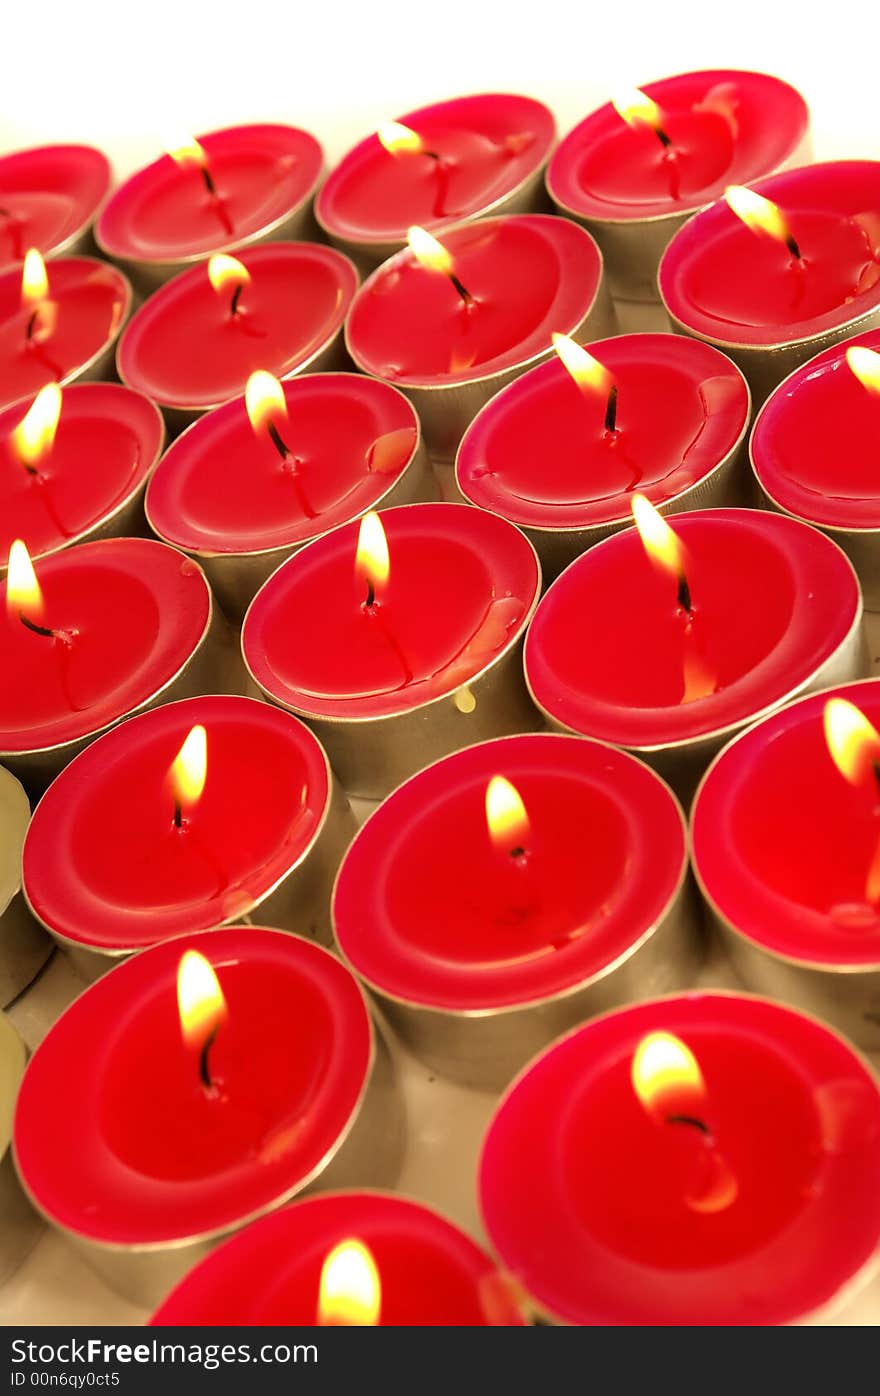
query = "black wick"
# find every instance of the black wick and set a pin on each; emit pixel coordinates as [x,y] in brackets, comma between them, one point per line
[204,1068]
[693,1120]
[32,625]
[277,441]
[684,594]
[611,411]
[461,289]
[233,304]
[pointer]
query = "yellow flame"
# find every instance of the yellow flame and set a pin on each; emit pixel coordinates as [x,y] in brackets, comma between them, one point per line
[506,815]
[32,438]
[662,1068]
[200,1000]
[757,213]
[587,372]
[190,767]
[660,542]
[23,592]
[350,1292]
[865,364]
[264,400]
[396,138]
[853,741]
[225,272]
[429,252]
[34,281]
[189,152]
[635,106]
[372,561]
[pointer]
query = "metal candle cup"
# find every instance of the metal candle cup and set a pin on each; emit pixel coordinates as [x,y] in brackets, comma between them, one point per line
[454,162]
[392,681]
[634,179]
[19,1226]
[24,948]
[782,850]
[482,945]
[128,878]
[745,291]
[301,1098]
[259,186]
[50,196]
[524,276]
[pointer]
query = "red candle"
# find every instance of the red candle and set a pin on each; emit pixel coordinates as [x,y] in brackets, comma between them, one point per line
[450,347]
[785,850]
[58,323]
[573,859]
[803,273]
[703,1160]
[226,190]
[149,1126]
[562,449]
[378,642]
[278,307]
[430,1274]
[773,610]
[811,450]
[130,875]
[75,463]
[299,458]
[49,196]
[634,171]
[110,627]
[442,164]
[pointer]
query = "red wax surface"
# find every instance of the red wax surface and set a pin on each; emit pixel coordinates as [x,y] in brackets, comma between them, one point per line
[431,1273]
[615,1233]
[462,585]
[130,613]
[47,197]
[604,857]
[783,844]
[539,453]
[91,300]
[105,865]
[813,446]
[528,275]
[487,145]
[115,1136]
[164,212]
[350,438]
[107,442]
[609,648]
[726,127]
[722,280]
[185,348]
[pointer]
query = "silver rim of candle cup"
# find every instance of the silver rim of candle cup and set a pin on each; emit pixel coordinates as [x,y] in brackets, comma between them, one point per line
[335,828]
[120,1263]
[558,546]
[431,1030]
[854,1283]
[413,723]
[247,570]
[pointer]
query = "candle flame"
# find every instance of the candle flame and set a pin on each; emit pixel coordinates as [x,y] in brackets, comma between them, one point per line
[189,768]
[758,213]
[350,1292]
[396,137]
[865,364]
[590,376]
[189,152]
[32,438]
[660,542]
[428,252]
[666,1074]
[506,815]
[34,280]
[225,272]
[264,400]
[372,563]
[23,594]
[200,1000]
[636,106]
[853,741]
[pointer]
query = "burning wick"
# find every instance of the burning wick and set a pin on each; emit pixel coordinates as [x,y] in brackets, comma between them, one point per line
[225,271]
[637,108]
[264,399]
[430,253]
[34,289]
[761,216]
[191,153]
[188,772]
[865,365]
[202,1010]
[350,1292]
[506,819]
[23,590]
[591,377]
[372,560]
[854,744]
[663,545]
[32,438]
[401,140]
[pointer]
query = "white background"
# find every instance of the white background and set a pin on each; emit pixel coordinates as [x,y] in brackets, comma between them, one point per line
[130,77]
